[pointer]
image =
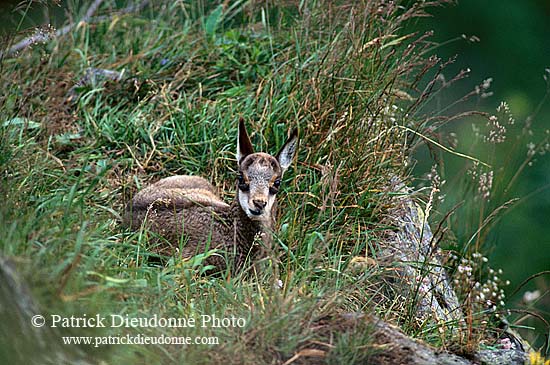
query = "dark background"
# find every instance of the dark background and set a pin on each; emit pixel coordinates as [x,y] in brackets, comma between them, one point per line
[513,50]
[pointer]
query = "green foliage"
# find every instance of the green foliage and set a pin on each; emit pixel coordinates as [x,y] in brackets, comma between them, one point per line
[76,147]
[502,43]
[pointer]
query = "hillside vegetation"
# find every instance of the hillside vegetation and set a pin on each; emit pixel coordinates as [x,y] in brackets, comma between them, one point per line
[124,99]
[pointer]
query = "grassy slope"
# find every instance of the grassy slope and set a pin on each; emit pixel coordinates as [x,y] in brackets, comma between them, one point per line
[348,77]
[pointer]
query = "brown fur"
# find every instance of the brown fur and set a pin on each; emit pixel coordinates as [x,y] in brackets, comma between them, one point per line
[168,211]
[189,217]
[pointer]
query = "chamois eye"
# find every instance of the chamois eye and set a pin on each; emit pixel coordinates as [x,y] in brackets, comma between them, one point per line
[243,186]
[274,189]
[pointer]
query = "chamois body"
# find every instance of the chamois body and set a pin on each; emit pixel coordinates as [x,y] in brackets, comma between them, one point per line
[190,218]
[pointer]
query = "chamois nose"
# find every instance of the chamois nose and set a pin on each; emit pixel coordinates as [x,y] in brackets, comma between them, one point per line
[259,204]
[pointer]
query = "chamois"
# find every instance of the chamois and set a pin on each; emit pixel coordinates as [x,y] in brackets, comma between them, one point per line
[186,213]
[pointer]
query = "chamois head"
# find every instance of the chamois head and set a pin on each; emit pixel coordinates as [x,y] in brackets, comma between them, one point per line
[260,174]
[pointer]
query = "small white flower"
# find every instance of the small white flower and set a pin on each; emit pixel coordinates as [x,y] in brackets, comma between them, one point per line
[506,343]
[531,296]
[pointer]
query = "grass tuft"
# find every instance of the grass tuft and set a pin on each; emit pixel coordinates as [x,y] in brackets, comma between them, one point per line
[76,144]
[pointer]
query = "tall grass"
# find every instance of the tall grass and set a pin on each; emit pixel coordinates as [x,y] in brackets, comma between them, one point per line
[348,75]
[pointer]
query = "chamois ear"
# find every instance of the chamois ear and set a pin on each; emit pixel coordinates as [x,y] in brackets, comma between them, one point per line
[287,152]
[244,146]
